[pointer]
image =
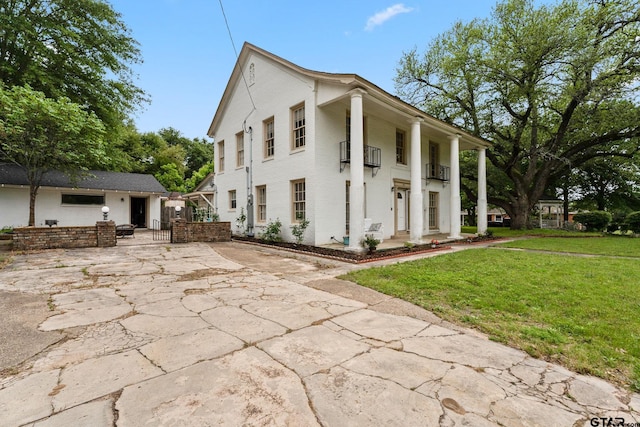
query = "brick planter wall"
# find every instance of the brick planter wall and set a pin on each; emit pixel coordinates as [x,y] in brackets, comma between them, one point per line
[183,231]
[103,234]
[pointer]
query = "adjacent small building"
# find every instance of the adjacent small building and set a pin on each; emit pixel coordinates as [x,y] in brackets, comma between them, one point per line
[132,198]
[336,149]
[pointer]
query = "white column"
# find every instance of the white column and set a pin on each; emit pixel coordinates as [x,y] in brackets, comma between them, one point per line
[455,203]
[416,222]
[356,192]
[482,191]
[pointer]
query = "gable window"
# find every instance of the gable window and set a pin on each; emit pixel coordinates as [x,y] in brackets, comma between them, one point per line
[298,127]
[401,148]
[221,156]
[269,138]
[82,199]
[240,149]
[232,199]
[299,200]
[261,193]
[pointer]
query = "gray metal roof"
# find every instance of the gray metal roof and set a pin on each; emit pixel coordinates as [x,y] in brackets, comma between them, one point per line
[11,174]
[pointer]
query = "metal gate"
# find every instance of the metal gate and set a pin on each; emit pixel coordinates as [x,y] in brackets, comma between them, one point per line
[161,230]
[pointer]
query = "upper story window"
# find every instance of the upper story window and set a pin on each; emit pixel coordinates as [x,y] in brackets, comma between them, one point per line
[401,147]
[269,138]
[240,149]
[221,156]
[298,127]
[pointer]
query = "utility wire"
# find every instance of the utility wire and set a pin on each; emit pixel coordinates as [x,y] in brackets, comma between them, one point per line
[236,52]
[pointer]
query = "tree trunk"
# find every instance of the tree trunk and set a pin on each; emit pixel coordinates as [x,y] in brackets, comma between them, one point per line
[520,214]
[33,192]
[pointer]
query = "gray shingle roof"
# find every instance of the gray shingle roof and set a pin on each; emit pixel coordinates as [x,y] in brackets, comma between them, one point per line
[11,174]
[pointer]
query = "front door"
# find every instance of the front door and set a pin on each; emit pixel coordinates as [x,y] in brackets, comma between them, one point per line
[139,212]
[402,209]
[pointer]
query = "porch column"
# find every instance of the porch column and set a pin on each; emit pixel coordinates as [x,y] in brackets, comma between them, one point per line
[455,203]
[416,221]
[482,191]
[356,192]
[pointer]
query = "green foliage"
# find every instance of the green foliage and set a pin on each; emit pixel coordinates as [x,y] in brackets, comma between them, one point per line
[197,177]
[81,50]
[170,177]
[298,230]
[369,242]
[633,222]
[551,85]
[594,221]
[42,134]
[271,232]
[241,219]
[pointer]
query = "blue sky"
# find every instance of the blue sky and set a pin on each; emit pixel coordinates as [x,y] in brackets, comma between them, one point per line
[188,55]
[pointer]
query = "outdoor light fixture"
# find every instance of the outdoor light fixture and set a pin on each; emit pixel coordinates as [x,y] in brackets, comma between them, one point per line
[178,209]
[105,212]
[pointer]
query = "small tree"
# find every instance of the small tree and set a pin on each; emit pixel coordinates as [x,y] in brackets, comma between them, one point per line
[633,222]
[596,220]
[42,134]
[298,230]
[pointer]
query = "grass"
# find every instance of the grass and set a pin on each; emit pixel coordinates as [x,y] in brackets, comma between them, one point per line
[541,232]
[576,311]
[612,246]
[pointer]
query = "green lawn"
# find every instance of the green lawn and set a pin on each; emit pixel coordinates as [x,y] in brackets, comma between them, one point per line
[580,312]
[612,246]
[544,232]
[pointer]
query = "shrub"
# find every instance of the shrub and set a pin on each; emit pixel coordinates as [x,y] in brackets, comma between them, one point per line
[298,230]
[370,242]
[594,221]
[633,222]
[272,231]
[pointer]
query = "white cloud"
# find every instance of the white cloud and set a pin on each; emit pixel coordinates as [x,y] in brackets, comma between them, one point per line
[381,17]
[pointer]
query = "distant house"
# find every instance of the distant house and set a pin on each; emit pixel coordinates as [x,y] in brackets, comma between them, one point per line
[132,198]
[335,149]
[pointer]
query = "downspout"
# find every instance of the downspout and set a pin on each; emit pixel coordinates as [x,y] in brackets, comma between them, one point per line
[249,170]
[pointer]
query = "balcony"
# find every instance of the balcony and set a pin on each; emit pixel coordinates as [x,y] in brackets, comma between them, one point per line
[437,172]
[372,156]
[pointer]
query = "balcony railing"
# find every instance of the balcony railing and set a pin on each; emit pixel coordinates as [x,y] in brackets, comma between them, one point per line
[437,172]
[372,156]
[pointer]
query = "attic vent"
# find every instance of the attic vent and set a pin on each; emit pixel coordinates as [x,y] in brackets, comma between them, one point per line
[252,74]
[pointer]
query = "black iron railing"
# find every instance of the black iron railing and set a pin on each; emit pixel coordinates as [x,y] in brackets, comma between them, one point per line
[437,171]
[372,155]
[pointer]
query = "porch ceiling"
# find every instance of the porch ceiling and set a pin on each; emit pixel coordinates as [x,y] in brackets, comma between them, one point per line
[430,127]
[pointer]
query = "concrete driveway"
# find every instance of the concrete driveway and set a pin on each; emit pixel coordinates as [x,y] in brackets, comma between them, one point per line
[231,334]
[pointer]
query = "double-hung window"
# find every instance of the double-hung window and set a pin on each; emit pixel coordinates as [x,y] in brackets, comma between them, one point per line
[298,127]
[240,149]
[269,138]
[261,193]
[298,199]
[220,156]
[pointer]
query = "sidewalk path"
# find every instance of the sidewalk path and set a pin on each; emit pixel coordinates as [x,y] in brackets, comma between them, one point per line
[229,334]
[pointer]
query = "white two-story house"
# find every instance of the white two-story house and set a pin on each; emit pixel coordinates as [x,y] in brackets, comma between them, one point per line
[335,149]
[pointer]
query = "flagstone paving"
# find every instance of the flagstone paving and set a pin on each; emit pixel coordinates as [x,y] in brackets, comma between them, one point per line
[231,334]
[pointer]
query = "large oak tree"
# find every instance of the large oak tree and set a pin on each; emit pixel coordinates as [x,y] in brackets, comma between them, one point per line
[553,87]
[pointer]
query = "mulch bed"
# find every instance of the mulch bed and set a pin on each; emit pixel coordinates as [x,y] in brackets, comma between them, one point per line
[347,256]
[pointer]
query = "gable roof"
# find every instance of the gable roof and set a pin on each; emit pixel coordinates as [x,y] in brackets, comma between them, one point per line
[11,174]
[352,81]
